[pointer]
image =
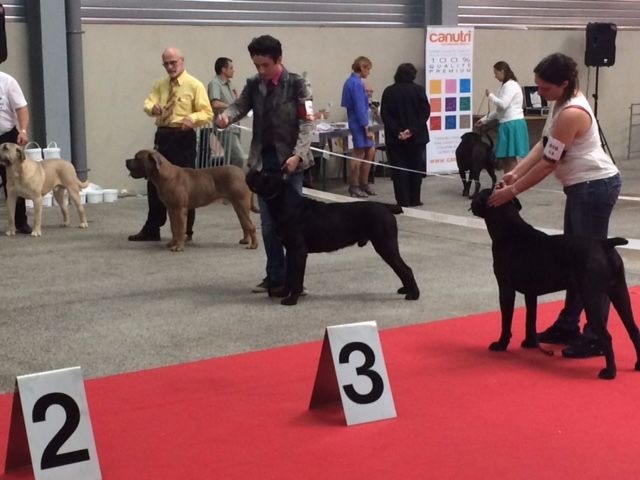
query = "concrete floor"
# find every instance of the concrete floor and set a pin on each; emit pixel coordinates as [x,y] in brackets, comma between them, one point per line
[93,299]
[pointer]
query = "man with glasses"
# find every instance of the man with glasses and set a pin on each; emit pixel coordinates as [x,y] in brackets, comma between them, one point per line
[179,104]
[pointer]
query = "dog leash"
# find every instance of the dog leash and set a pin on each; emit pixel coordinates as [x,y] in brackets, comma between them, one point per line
[482,103]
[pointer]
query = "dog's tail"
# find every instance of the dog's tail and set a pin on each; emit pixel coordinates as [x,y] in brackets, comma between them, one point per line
[252,206]
[395,209]
[614,242]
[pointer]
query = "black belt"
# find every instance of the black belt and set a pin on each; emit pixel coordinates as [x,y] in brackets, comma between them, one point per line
[170,129]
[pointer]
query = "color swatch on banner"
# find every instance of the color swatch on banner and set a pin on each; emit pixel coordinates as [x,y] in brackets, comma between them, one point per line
[451,96]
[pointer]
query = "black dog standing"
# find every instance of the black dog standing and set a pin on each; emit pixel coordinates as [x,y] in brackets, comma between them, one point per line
[308,226]
[529,261]
[473,155]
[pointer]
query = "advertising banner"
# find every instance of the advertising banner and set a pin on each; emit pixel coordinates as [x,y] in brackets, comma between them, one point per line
[449,68]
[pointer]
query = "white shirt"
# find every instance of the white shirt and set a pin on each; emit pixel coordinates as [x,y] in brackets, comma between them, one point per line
[585,160]
[507,103]
[11,98]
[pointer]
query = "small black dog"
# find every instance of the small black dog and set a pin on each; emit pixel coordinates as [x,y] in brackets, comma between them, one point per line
[472,155]
[308,226]
[534,263]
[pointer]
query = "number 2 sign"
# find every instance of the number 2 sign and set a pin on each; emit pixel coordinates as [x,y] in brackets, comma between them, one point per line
[352,370]
[51,410]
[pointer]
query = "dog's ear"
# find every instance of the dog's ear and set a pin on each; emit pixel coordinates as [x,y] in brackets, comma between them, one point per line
[157,159]
[251,177]
[20,153]
[517,203]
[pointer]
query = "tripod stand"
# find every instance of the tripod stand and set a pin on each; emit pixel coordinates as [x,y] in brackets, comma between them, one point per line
[603,140]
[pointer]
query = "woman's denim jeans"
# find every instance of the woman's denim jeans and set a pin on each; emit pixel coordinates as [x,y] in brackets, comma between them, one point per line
[587,211]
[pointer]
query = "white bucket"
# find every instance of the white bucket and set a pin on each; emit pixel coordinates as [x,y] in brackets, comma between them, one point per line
[110,195]
[47,200]
[83,197]
[95,196]
[52,151]
[33,153]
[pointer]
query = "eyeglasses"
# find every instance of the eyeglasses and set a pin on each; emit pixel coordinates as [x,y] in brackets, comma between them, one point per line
[170,63]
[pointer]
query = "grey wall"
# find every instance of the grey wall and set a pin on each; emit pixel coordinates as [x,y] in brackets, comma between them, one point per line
[122,61]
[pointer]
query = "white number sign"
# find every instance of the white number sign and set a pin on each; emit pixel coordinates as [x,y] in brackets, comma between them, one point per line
[54,417]
[352,370]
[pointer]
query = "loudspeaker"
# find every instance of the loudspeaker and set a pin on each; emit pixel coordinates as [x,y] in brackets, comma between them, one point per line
[3,36]
[600,50]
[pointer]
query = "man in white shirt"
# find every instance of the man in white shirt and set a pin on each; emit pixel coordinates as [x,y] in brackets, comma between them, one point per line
[14,123]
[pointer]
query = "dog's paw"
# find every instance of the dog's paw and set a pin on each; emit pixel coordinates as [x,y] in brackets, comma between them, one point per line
[36,233]
[499,346]
[290,300]
[530,343]
[83,225]
[10,233]
[176,248]
[607,373]
[243,241]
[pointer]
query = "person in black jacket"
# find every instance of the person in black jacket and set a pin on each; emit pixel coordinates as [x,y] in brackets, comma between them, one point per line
[405,110]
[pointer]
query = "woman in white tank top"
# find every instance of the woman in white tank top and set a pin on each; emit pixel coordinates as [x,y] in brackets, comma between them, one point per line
[570,148]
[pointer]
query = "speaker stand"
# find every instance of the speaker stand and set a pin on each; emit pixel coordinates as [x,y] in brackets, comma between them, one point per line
[603,139]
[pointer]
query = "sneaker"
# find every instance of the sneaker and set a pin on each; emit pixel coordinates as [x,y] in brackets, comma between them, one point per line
[559,333]
[355,191]
[583,347]
[26,229]
[262,287]
[368,190]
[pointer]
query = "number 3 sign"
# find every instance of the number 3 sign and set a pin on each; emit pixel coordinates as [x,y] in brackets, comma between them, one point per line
[51,410]
[352,370]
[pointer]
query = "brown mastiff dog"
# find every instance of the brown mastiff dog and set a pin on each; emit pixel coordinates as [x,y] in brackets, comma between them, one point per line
[181,189]
[30,179]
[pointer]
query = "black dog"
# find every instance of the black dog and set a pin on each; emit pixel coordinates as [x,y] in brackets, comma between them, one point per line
[472,155]
[534,263]
[308,226]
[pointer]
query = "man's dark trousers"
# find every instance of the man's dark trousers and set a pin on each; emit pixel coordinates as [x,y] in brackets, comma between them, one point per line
[21,211]
[179,147]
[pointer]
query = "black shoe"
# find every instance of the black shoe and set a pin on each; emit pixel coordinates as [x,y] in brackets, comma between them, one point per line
[24,228]
[262,287]
[583,347]
[559,333]
[279,292]
[145,236]
[189,237]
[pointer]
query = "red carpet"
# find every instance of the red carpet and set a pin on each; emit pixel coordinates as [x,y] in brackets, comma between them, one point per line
[463,412]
